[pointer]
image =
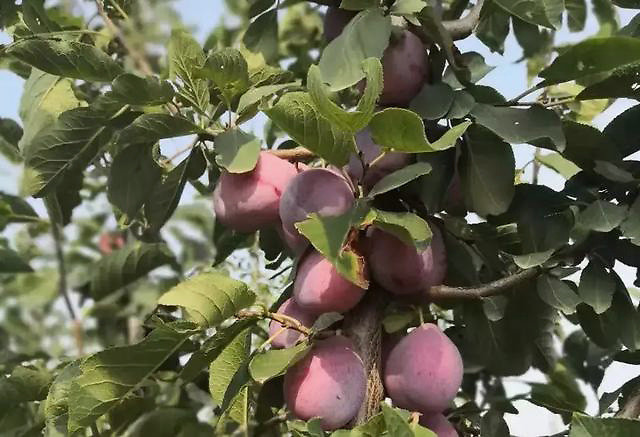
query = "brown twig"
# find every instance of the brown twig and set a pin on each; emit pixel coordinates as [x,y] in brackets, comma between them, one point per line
[285,321]
[296,154]
[499,286]
[117,32]
[464,26]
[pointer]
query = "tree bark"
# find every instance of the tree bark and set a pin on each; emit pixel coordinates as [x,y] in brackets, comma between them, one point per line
[363,325]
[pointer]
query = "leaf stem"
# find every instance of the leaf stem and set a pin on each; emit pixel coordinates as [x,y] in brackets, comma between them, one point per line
[525,93]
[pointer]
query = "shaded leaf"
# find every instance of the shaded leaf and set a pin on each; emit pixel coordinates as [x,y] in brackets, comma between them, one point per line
[10,134]
[596,287]
[150,128]
[408,227]
[267,365]
[262,35]
[585,426]
[399,178]
[135,90]
[11,262]
[237,151]
[602,216]
[433,101]
[557,294]
[254,95]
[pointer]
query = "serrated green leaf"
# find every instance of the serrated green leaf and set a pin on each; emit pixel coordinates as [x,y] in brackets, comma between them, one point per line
[341,61]
[400,177]
[596,287]
[125,265]
[25,383]
[237,151]
[517,125]
[67,147]
[296,114]
[67,59]
[210,298]
[557,294]
[585,426]
[56,406]
[109,376]
[135,90]
[186,59]
[602,216]
[228,70]
[267,365]
[133,163]
[594,56]
[150,128]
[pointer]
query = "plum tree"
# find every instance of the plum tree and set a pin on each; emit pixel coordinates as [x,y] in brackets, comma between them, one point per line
[328,383]
[335,19]
[377,166]
[289,337]
[423,372]
[249,201]
[439,424]
[316,190]
[404,66]
[319,288]
[408,271]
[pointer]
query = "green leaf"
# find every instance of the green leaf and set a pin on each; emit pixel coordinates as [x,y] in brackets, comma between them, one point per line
[134,163]
[166,195]
[557,294]
[560,165]
[341,61]
[399,178]
[186,59]
[408,227]
[602,216]
[621,84]
[11,262]
[109,376]
[125,265]
[350,121]
[462,104]
[135,90]
[561,394]
[533,259]
[487,172]
[222,370]
[517,125]
[255,95]
[237,151]
[228,70]
[267,365]
[14,209]
[433,101]
[10,134]
[262,35]
[296,114]
[407,7]
[373,428]
[594,56]
[586,144]
[537,12]
[630,227]
[397,425]
[150,128]
[25,383]
[67,148]
[401,130]
[56,406]
[493,424]
[66,58]
[44,98]
[596,287]
[210,298]
[493,27]
[623,133]
[585,426]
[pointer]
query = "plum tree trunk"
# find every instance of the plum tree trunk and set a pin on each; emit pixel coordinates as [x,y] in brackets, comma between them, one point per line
[363,325]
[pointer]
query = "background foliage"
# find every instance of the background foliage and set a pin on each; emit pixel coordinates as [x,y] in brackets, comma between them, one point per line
[102,330]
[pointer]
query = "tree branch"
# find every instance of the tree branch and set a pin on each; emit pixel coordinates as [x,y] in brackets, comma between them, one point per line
[499,286]
[139,59]
[464,26]
[285,321]
[631,407]
[296,154]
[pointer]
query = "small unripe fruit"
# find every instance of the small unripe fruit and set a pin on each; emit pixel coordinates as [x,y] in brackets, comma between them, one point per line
[438,424]
[246,202]
[401,268]
[319,288]
[317,190]
[290,336]
[390,162]
[423,372]
[329,383]
[334,21]
[404,66]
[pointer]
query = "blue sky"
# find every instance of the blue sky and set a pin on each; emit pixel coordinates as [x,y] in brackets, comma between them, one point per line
[508,77]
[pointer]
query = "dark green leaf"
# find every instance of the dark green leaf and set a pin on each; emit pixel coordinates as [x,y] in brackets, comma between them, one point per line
[596,287]
[494,425]
[621,84]
[135,90]
[209,298]
[433,101]
[10,134]
[11,262]
[400,177]
[536,12]
[602,216]
[150,128]
[125,265]
[561,394]
[296,114]
[67,58]
[585,426]
[262,35]
[267,365]
[630,227]
[586,144]
[623,133]
[237,151]
[408,227]
[557,294]
[493,27]
[229,72]
[25,383]
[576,14]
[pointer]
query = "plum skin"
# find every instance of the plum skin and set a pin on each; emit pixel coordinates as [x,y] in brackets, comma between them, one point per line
[329,382]
[319,288]
[438,424]
[246,202]
[408,271]
[404,66]
[316,190]
[335,19]
[289,337]
[423,372]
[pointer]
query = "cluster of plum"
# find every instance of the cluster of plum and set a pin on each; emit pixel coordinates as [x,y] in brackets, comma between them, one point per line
[423,370]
